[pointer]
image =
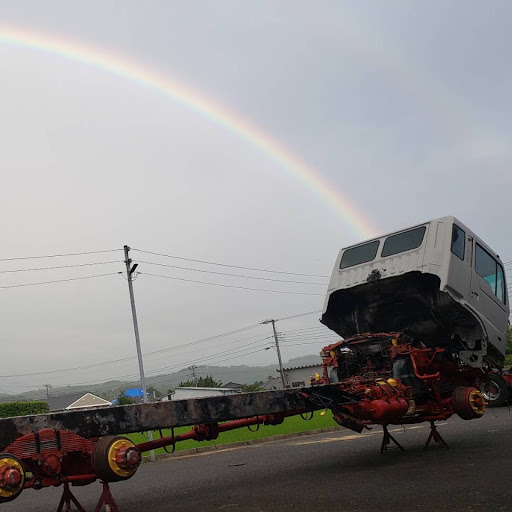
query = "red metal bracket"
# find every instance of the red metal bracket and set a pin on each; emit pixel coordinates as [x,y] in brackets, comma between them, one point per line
[436,436]
[106,499]
[386,440]
[66,499]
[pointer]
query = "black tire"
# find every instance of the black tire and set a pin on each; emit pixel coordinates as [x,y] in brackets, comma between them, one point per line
[496,392]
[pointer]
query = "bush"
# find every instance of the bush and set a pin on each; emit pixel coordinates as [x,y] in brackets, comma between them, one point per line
[508,356]
[22,409]
[122,399]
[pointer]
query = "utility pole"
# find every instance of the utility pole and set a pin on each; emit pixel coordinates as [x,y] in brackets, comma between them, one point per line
[281,371]
[47,386]
[129,275]
[194,378]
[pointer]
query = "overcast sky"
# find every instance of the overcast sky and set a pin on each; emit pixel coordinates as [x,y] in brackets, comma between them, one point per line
[403,107]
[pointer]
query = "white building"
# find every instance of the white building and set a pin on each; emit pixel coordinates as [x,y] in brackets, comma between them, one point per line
[300,376]
[190,392]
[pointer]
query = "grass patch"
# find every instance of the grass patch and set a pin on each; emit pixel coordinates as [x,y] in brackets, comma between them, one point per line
[289,426]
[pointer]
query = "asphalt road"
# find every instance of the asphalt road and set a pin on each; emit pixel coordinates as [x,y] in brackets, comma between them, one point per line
[340,471]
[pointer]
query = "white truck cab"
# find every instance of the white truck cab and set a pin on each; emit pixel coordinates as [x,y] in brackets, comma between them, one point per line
[436,281]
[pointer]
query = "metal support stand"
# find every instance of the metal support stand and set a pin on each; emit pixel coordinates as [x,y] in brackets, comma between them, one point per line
[66,499]
[436,436]
[107,499]
[386,440]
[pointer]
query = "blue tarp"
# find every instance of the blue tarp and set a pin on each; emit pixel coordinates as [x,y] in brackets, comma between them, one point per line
[134,392]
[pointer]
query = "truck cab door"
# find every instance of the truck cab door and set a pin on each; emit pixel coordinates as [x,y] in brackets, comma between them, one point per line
[488,295]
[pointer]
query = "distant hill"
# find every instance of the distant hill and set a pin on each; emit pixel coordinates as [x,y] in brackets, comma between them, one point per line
[240,374]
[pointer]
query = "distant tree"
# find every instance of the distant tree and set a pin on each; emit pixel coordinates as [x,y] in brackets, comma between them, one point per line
[122,399]
[248,388]
[202,382]
[170,391]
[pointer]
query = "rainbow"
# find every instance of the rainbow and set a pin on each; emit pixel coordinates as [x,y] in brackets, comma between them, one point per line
[200,104]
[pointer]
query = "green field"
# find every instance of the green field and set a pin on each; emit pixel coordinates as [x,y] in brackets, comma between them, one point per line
[289,426]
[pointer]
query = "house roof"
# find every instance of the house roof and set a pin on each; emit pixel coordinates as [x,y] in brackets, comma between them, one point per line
[232,385]
[89,400]
[315,365]
[58,403]
[75,400]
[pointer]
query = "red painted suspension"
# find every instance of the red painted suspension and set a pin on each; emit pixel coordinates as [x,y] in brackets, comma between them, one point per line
[212,431]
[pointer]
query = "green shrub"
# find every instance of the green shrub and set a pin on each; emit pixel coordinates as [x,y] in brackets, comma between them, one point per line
[22,409]
[508,356]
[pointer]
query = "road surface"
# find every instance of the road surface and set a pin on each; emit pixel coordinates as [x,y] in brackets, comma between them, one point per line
[339,471]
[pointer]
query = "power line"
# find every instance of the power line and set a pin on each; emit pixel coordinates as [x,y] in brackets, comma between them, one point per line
[232,275]
[104,363]
[230,266]
[297,344]
[320,329]
[58,255]
[59,267]
[238,353]
[242,351]
[230,285]
[58,280]
[299,315]
[311,337]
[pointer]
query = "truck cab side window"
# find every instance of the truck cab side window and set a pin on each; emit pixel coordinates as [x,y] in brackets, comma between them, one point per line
[489,269]
[500,285]
[458,242]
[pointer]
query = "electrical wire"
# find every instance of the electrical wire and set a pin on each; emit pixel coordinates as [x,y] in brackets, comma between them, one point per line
[232,275]
[226,265]
[59,267]
[59,255]
[299,315]
[300,332]
[302,338]
[307,329]
[230,285]
[58,281]
[297,344]
[104,363]
[240,352]
[180,365]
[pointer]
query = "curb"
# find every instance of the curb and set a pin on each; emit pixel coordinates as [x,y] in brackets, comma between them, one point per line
[240,444]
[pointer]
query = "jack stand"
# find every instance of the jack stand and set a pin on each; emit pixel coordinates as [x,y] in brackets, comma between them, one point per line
[386,440]
[436,436]
[67,498]
[106,499]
